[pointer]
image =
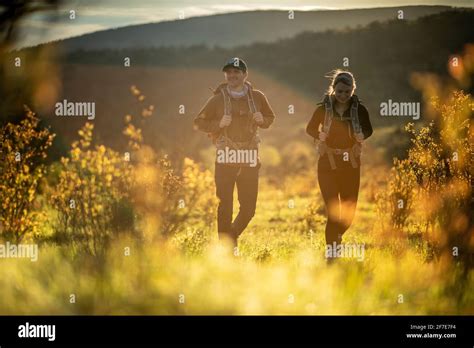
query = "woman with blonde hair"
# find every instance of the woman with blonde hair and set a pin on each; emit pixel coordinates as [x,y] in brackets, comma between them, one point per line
[340,124]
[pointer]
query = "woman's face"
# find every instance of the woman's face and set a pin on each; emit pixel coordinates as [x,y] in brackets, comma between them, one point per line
[235,77]
[343,92]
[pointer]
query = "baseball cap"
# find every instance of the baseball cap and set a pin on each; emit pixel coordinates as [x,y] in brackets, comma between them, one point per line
[235,62]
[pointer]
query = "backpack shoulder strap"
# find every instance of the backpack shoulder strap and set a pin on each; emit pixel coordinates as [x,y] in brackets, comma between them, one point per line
[227,103]
[251,100]
[328,114]
[355,114]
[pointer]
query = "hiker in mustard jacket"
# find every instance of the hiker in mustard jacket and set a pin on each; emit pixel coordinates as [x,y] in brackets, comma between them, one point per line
[232,117]
[339,125]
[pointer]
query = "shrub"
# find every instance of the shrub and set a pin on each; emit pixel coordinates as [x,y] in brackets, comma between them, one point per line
[22,149]
[93,184]
[436,178]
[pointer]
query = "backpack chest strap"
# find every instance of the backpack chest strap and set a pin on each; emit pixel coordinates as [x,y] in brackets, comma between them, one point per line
[354,114]
[228,103]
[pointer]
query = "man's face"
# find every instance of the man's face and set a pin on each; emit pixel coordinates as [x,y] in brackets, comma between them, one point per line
[235,77]
[343,92]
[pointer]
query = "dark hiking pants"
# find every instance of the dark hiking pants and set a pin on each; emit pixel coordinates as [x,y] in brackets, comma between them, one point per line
[246,180]
[340,189]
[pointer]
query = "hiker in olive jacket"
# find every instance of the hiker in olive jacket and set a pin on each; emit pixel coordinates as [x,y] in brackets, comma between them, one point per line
[232,117]
[339,125]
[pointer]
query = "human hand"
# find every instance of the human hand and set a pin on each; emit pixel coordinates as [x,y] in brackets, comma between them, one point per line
[258,117]
[359,137]
[322,136]
[225,121]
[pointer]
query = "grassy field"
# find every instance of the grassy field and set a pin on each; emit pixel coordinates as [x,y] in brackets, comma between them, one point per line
[281,270]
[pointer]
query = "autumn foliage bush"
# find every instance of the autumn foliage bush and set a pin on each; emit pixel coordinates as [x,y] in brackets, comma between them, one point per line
[102,193]
[93,182]
[431,189]
[23,147]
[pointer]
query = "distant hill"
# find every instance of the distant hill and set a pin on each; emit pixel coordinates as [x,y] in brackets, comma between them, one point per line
[382,55]
[240,28]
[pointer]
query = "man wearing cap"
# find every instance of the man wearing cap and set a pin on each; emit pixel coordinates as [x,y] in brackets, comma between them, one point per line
[232,117]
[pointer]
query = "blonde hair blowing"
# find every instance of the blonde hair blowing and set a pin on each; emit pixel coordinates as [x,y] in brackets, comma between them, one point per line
[340,75]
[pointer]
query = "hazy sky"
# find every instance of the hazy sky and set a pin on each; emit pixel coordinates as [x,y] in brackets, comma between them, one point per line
[94,15]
